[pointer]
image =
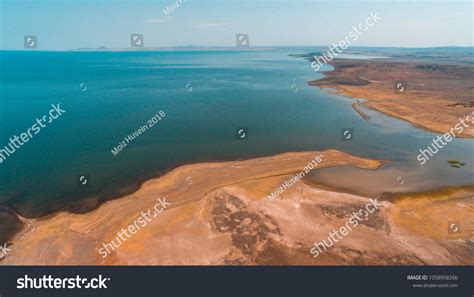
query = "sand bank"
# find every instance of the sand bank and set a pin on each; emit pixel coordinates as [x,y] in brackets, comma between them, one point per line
[219,215]
[432,96]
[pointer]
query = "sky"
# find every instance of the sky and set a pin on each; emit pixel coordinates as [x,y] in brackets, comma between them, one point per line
[69,24]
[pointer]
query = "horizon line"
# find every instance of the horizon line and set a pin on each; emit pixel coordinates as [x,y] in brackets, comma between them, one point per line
[230,47]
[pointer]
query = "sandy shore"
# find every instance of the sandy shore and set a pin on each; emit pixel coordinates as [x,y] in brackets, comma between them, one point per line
[434,98]
[219,215]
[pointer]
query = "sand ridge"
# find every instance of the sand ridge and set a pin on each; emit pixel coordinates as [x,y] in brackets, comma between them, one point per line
[66,238]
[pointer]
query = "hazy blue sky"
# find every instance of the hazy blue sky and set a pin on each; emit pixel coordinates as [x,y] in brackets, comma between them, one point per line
[66,24]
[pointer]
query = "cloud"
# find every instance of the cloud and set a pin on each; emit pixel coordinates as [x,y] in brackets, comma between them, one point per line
[209,25]
[157,21]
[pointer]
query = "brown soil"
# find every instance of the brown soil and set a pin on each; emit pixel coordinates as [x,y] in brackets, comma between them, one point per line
[224,218]
[435,97]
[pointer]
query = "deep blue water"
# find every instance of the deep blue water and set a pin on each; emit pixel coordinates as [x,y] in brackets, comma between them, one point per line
[230,89]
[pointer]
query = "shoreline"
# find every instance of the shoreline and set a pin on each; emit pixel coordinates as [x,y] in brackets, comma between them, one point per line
[357,107]
[175,179]
[199,210]
[142,183]
[279,166]
[435,98]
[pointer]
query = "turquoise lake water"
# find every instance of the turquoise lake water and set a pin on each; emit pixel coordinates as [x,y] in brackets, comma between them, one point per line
[206,96]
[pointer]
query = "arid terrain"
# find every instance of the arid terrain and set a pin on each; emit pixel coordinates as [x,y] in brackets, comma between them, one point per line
[432,96]
[220,215]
